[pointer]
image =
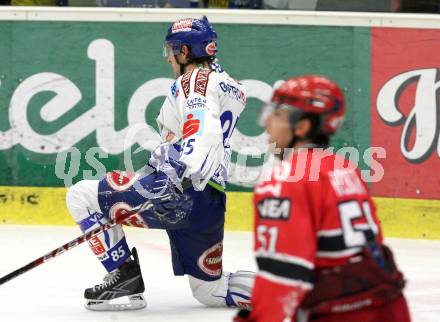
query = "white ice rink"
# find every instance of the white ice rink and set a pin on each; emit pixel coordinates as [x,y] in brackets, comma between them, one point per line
[54,290]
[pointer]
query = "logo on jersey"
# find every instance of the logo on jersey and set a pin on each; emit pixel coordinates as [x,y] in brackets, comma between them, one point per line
[121,180]
[193,124]
[185,81]
[96,245]
[201,82]
[174,90]
[195,103]
[233,92]
[182,25]
[346,182]
[211,49]
[120,209]
[103,257]
[274,208]
[210,261]
[217,68]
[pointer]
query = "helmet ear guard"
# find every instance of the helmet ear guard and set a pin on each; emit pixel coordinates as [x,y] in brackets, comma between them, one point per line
[211,48]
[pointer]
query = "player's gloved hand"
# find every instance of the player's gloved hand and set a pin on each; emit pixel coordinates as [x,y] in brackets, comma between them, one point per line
[171,205]
[171,200]
[172,208]
[173,171]
[243,316]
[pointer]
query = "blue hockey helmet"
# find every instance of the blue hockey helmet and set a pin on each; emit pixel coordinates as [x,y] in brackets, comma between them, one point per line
[198,34]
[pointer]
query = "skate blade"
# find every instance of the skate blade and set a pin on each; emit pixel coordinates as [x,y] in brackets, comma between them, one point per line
[135,302]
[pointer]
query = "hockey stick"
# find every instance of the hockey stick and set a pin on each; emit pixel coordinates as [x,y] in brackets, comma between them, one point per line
[79,240]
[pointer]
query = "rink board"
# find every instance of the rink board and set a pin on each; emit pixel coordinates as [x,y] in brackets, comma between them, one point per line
[408,218]
[70,100]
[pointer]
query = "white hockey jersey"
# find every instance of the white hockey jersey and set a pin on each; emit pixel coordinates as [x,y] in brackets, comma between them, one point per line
[198,117]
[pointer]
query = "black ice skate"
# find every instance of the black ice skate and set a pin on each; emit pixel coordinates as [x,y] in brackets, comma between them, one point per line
[117,286]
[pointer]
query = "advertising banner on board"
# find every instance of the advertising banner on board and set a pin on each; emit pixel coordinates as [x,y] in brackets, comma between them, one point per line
[405,111]
[78,99]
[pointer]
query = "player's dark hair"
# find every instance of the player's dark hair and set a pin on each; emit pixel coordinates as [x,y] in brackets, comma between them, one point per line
[316,135]
[196,60]
[201,60]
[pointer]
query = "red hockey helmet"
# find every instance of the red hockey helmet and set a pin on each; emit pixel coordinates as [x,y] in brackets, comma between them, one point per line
[313,94]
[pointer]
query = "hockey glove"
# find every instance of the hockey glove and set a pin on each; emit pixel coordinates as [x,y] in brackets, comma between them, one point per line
[171,205]
[171,171]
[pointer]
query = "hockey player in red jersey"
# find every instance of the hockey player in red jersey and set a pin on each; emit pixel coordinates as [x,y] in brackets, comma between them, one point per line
[318,242]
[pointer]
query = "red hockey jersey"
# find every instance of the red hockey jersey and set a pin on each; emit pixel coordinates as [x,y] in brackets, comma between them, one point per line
[311,211]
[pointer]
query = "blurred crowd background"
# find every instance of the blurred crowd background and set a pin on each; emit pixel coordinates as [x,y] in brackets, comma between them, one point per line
[409,6]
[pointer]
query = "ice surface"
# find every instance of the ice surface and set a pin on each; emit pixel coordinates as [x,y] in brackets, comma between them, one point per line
[54,290]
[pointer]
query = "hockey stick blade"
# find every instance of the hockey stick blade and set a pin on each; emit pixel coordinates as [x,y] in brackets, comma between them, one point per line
[75,242]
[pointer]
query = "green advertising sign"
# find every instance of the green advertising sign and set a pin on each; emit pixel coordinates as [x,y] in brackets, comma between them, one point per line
[85,95]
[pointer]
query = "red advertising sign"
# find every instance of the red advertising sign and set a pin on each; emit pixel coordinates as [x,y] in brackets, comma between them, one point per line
[405,84]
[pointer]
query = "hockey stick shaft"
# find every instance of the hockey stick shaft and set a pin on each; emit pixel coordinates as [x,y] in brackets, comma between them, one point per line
[75,242]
